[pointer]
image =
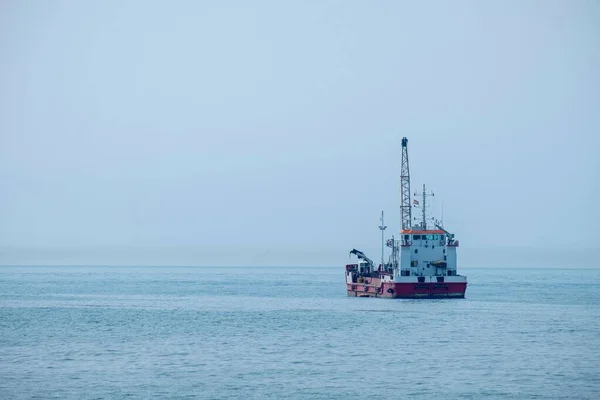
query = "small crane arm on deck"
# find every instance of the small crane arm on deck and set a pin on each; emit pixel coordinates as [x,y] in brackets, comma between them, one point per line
[448,234]
[362,256]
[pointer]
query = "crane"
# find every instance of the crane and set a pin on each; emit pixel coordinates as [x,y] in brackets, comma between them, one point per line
[448,234]
[362,256]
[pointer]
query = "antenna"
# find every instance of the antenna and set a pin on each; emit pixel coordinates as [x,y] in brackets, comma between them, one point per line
[442,220]
[405,206]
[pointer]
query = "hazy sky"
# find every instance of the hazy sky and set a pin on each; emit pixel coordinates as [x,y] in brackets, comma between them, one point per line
[278,123]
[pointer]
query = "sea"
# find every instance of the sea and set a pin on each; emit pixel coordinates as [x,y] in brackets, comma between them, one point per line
[292,333]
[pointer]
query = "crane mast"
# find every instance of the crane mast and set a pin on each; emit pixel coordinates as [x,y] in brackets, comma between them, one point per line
[405,206]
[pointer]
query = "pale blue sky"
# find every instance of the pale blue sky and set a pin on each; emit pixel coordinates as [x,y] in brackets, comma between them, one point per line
[277,124]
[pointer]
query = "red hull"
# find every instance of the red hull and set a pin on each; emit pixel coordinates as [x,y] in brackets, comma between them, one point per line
[408,290]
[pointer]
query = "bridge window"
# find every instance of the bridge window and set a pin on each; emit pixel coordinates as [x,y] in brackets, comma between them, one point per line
[442,237]
[417,237]
[406,237]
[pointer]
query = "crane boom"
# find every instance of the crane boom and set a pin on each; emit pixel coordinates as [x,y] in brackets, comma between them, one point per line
[362,256]
[448,234]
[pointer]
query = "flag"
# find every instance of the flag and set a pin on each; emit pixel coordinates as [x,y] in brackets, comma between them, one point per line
[415,201]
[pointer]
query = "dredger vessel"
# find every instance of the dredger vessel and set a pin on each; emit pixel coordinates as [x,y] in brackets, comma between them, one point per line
[422,263]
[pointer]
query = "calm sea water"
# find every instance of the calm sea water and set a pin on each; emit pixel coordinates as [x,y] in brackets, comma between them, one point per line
[291,333]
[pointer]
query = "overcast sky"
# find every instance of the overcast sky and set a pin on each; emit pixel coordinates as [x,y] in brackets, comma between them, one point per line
[277,124]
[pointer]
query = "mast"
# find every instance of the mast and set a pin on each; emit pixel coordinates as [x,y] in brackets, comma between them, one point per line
[405,207]
[424,207]
[382,227]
